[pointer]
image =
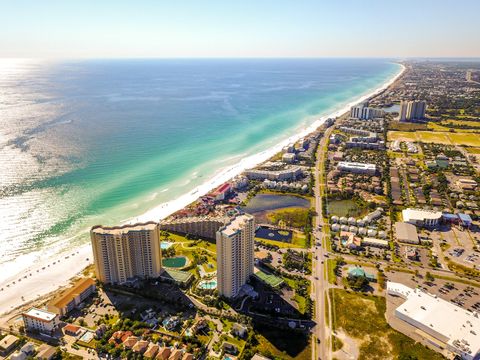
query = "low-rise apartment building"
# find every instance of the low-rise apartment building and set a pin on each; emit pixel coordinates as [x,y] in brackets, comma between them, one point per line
[40,320]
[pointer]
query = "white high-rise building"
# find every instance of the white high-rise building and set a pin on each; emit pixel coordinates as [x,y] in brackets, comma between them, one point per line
[235,254]
[412,110]
[364,112]
[124,252]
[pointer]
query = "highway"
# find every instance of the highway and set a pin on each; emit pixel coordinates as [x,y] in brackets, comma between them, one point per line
[321,342]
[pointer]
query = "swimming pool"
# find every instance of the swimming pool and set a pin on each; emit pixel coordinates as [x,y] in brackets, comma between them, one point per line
[165,245]
[208,284]
[87,337]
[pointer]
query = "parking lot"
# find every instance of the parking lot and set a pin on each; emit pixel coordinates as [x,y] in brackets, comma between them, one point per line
[458,245]
[463,295]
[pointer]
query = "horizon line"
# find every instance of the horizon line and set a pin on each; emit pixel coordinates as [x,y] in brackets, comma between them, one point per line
[397,58]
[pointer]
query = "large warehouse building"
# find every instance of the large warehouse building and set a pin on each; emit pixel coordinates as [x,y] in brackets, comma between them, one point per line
[442,323]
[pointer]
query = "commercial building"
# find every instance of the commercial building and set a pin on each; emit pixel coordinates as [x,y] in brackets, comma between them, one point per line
[202,226]
[412,110]
[124,252]
[40,320]
[440,322]
[406,233]
[235,254]
[72,297]
[357,168]
[364,112]
[420,217]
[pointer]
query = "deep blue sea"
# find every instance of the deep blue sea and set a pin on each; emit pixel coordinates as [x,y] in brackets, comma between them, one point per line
[101,141]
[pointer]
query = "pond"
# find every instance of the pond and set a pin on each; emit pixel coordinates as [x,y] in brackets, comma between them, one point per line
[345,208]
[267,202]
[267,233]
[175,262]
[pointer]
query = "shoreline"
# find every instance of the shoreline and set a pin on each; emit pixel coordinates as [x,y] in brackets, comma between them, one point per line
[46,277]
[166,209]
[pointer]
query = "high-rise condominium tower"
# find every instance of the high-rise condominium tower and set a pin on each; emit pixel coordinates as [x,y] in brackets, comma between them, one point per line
[412,110]
[235,254]
[124,252]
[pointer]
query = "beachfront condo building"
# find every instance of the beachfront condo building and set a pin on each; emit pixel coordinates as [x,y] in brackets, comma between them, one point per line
[364,112]
[235,254]
[42,321]
[125,252]
[412,110]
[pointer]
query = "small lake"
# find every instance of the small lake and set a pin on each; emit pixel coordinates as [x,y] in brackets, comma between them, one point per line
[267,202]
[345,208]
[273,234]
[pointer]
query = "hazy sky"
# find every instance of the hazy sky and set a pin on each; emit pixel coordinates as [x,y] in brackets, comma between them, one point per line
[243,28]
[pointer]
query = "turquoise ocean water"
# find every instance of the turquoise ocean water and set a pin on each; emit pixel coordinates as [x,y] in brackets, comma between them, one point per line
[102,141]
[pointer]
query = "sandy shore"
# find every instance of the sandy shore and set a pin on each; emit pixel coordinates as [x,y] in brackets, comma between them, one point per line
[41,279]
[45,277]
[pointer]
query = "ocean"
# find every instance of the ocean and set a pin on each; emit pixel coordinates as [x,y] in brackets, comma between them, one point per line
[104,141]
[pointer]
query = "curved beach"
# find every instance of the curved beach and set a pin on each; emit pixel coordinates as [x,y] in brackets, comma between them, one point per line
[51,273]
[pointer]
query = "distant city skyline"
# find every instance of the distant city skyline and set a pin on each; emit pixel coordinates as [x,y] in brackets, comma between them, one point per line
[111,29]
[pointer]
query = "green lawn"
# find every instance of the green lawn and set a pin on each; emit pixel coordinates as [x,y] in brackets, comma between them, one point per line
[360,315]
[270,279]
[299,241]
[438,137]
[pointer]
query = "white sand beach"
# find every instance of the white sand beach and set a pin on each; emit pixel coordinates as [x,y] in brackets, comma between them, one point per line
[52,273]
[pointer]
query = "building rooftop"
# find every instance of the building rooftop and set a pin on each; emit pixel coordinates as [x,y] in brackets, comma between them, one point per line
[40,314]
[447,322]
[235,225]
[8,341]
[420,214]
[115,230]
[79,287]
[405,231]
[357,165]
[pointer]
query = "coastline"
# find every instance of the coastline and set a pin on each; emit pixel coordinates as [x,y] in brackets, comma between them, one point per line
[47,277]
[168,208]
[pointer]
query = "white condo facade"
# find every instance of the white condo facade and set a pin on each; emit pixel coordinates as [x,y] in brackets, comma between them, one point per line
[44,322]
[235,254]
[364,112]
[412,110]
[125,252]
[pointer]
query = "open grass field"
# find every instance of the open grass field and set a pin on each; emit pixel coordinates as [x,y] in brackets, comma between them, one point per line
[363,317]
[440,127]
[471,123]
[437,137]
